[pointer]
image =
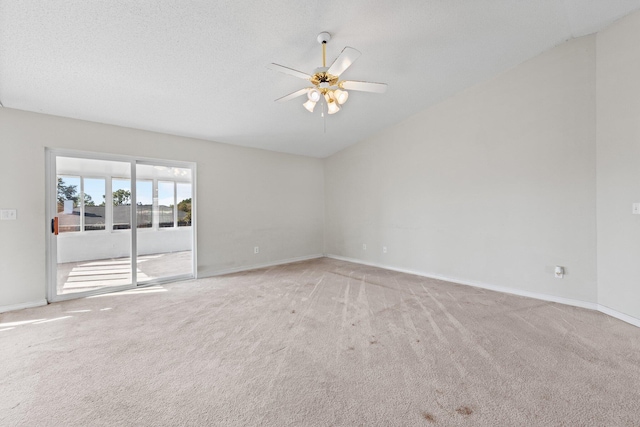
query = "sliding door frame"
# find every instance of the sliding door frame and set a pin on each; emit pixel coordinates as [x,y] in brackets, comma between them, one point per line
[51,212]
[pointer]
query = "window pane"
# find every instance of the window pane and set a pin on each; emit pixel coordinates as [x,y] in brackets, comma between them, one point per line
[165,203]
[184,205]
[144,208]
[94,208]
[68,206]
[121,204]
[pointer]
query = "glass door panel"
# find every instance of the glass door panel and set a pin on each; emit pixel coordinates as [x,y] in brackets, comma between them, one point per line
[93,211]
[163,210]
[68,211]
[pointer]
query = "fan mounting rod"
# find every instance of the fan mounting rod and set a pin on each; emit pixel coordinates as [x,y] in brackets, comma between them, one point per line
[321,79]
[323,38]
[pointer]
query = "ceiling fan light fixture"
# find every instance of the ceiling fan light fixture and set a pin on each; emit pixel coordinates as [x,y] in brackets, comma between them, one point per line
[341,96]
[332,107]
[326,81]
[314,95]
[309,105]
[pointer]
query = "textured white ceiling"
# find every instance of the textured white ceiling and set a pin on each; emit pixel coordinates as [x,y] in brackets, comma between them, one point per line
[198,68]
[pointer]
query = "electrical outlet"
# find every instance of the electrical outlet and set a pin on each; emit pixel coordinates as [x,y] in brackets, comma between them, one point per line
[8,214]
[256,249]
[636,209]
[558,272]
[384,249]
[364,246]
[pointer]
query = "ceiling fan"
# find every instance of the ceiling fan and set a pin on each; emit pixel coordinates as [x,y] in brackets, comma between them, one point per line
[327,87]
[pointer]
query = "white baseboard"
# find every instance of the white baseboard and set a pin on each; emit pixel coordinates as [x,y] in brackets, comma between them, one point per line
[544,297]
[30,304]
[621,316]
[263,265]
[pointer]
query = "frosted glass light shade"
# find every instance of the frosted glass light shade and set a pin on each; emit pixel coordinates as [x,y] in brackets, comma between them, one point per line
[341,96]
[314,95]
[333,107]
[309,105]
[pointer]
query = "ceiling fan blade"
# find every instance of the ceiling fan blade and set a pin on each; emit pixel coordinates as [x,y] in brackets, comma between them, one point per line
[347,57]
[293,95]
[290,71]
[364,86]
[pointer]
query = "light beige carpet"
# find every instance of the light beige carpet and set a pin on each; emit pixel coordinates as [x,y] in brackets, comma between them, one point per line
[317,343]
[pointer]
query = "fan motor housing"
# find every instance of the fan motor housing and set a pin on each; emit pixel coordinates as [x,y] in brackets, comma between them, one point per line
[321,76]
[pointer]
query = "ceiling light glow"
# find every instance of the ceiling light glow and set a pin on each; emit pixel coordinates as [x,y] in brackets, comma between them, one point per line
[314,95]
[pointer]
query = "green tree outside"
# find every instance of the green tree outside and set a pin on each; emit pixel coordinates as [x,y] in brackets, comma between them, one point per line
[121,197]
[67,192]
[185,206]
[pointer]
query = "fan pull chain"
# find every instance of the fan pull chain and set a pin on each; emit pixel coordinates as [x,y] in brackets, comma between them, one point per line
[324,117]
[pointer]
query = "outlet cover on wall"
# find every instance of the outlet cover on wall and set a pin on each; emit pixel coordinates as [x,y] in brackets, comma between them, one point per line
[8,214]
[636,209]
[256,249]
[384,249]
[364,246]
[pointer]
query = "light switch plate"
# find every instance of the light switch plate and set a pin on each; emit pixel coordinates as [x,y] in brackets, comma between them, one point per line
[636,209]
[8,214]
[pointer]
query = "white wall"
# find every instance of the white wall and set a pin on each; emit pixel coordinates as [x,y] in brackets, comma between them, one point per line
[246,197]
[618,142]
[494,186]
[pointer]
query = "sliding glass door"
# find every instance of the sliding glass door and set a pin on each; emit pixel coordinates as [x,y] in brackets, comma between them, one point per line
[164,221]
[96,201]
[93,241]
